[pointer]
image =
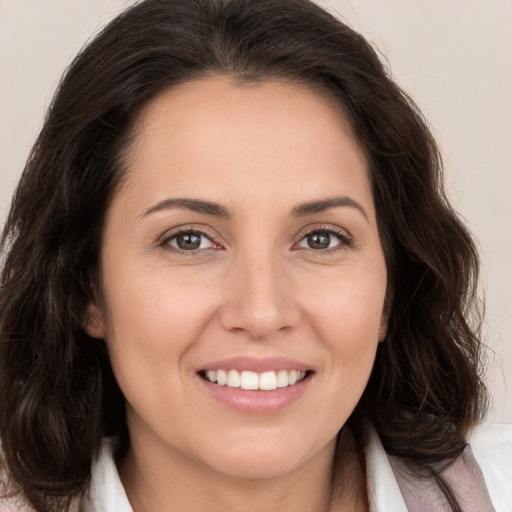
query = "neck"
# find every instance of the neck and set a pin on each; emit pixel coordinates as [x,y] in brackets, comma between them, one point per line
[157,480]
[349,492]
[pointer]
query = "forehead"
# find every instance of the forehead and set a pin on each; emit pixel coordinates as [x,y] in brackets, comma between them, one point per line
[223,100]
[213,136]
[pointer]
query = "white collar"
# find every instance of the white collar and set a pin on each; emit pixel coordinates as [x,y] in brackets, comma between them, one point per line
[107,493]
[384,494]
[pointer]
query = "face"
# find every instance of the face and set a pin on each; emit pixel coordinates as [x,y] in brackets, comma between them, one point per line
[243,245]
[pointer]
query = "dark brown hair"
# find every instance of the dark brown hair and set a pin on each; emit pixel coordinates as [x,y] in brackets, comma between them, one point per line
[58,393]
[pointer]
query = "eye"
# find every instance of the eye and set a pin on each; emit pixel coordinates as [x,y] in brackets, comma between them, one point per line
[324,239]
[189,240]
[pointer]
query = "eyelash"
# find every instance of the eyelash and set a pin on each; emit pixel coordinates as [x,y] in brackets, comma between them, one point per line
[344,238]
[186,230]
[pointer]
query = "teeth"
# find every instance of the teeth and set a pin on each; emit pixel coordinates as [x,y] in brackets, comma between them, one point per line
[248,380]
[282,379]
[222,377]
[266,381]
[233,379]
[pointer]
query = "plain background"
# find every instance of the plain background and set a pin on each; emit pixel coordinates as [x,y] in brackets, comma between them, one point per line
[454,59]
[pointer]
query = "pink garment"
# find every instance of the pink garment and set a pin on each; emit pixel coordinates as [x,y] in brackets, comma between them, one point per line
[463,476]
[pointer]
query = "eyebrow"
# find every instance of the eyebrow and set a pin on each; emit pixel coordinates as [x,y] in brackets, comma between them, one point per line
[217,210]
[302,210]
[195,205]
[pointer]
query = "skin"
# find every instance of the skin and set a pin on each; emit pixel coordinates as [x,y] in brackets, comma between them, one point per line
[254,287]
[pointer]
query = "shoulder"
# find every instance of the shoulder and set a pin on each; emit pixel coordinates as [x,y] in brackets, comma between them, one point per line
[481,478]
[492,447]
[10,500]
[14,505]
[106,492]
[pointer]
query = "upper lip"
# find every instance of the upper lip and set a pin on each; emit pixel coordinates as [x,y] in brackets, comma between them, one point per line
[255,364]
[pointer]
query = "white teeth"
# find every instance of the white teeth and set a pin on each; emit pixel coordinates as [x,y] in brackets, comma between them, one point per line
[282,379]
[266,381]
[222,377]
[248,380]
[233,379]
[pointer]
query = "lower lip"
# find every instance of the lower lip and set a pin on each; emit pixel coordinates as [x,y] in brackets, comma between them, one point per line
[255,401]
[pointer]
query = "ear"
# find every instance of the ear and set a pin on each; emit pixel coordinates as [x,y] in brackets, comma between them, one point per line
[94,324]
[383,330]
[384,317]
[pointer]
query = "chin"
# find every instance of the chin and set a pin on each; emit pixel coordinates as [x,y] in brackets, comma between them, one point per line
[258,467]
[261,459]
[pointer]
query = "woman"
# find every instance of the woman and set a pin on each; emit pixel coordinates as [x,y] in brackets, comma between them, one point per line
[232,278]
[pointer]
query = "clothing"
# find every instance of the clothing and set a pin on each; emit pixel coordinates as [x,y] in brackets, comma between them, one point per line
[481,486]
[390,488]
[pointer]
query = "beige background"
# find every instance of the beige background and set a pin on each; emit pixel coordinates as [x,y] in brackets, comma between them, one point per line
[454,58]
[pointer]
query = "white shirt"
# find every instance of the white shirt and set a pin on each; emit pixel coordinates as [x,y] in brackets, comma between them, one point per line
[490,444]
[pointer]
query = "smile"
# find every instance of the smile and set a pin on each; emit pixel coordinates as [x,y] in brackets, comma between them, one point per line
[249,380]
[252,385]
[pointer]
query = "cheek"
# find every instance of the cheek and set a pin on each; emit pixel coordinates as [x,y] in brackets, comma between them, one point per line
[153,326]
[347,306]
[344,317]
[153,300]
[345,314]
[152,320]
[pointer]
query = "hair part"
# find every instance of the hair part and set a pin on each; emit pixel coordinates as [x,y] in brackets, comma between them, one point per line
[59,395]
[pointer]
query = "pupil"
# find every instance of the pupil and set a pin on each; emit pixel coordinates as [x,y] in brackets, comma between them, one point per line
[189,241]
[319,240]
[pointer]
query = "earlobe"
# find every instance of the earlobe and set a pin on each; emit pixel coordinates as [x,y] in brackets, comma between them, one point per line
[383,331]
[94,324]
[384,317]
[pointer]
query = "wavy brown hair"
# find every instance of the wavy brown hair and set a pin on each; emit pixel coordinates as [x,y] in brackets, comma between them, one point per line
[58,393]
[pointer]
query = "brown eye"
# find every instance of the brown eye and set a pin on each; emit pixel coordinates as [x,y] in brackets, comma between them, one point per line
[324,239]
[319,240]
[189,241]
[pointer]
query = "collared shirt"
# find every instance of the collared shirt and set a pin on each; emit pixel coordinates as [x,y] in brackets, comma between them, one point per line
[480,487]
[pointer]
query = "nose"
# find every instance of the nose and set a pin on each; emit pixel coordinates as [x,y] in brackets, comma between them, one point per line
[259,302]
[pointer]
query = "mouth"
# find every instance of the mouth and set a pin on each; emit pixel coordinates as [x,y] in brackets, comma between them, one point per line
[253,381]
[256,385]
